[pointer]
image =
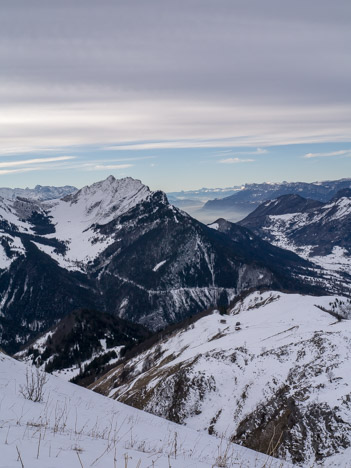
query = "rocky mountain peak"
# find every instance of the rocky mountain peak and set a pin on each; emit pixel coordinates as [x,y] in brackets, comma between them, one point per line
[109,198]
[117,187]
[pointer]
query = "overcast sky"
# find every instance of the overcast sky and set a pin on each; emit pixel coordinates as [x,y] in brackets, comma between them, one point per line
[180,94]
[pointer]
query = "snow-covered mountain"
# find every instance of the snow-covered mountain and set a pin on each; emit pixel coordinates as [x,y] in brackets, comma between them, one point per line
[319,232]
[271,374]
[73,426]
[39,192]
[117,247]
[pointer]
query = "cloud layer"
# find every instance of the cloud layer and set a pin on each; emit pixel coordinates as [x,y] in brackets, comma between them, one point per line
[167,74]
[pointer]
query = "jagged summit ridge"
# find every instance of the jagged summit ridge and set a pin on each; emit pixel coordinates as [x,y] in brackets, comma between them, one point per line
[106,199]
[77,217]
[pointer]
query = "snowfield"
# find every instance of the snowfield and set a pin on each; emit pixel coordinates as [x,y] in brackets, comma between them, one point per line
[75,427]
[75,218]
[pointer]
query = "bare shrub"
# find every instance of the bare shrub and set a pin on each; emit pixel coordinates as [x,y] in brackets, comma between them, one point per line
[224,457]
[33,389]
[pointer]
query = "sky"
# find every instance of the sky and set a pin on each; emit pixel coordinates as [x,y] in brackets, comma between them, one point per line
[180,94]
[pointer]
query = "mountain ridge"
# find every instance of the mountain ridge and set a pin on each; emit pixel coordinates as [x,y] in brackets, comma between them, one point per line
[39,192]
[318,233]
[117,247]
[253,195]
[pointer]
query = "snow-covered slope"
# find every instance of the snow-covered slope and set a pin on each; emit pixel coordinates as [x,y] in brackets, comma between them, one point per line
[320,233]
[73,220]
[273,375]
[76,217]
[75,427]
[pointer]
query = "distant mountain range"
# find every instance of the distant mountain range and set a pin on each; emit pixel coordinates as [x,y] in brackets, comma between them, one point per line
[203,194]
[39,192]
[252,195]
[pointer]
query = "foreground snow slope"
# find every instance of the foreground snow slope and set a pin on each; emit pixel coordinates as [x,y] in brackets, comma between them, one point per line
[76,427]
[277,368]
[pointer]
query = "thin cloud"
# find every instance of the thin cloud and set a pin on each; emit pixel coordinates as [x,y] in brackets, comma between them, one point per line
[25,162]
[180,144]
[102,167]
[235,161]
[137,158]
[14,171]
[328,155]
[15,150]
[257,151]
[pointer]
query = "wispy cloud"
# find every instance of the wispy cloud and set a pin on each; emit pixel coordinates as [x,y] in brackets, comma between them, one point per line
[235,161]
[328,155]
[233,152]
[183,144]
[22,169]
[134,158]
[103,167]
[176,144]
[13,150]
[26,162]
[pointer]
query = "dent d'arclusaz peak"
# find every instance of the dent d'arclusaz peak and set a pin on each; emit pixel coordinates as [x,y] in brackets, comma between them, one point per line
[117,247]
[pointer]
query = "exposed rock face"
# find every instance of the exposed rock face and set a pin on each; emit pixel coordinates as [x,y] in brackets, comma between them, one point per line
[272,375]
